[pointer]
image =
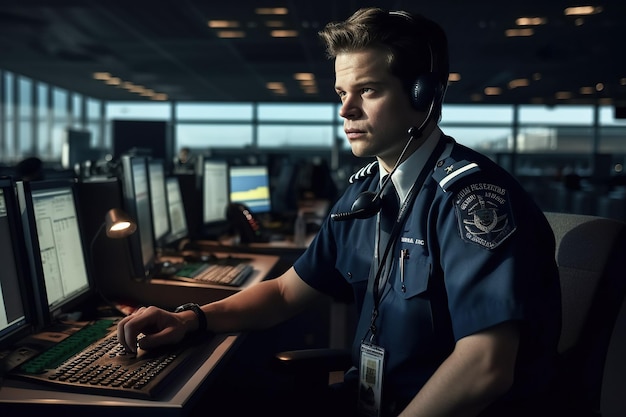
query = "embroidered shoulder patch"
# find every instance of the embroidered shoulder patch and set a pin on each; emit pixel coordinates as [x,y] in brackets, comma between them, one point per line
[484,214]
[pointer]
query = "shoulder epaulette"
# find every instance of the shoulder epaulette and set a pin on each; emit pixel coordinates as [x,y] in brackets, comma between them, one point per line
[366,171]
[448,171]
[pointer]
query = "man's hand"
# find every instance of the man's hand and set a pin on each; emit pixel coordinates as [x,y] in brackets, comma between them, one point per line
[158,326]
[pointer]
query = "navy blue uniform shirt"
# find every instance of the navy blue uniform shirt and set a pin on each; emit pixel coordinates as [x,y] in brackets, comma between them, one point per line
[480,253]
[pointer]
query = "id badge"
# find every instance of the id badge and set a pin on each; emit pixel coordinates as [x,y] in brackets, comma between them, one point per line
[370,380]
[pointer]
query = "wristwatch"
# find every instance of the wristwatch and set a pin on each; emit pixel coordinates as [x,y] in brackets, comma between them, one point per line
[199,314]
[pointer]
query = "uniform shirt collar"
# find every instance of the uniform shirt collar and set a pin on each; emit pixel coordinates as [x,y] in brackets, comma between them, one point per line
[408,171]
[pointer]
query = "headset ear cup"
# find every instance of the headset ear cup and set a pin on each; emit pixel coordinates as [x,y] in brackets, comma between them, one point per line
[425,92]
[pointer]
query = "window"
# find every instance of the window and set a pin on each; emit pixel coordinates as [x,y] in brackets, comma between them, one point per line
[214,111]
[206,136]
[138,111]
[25,132]
[296,112]
[296,135]
[553,115]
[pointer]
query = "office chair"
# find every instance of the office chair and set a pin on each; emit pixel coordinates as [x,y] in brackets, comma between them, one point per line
[591,256]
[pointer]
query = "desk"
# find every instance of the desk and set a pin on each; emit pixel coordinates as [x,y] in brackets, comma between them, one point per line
[18,397]
[117,284]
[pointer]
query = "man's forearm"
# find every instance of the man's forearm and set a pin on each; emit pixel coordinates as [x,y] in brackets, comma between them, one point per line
[262,305]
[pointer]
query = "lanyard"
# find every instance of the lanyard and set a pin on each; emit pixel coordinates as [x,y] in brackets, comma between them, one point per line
[418,185]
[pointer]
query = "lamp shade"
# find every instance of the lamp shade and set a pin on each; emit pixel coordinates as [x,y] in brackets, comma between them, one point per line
[119,224]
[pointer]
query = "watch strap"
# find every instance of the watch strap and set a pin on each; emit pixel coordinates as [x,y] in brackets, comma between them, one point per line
[202,324]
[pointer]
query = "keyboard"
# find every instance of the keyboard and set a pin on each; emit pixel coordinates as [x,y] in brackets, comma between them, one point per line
[223,271]
[91,361]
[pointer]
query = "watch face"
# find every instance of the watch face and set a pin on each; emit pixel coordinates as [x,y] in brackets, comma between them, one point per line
[183,307]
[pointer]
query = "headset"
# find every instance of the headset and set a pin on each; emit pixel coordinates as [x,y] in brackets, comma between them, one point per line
[427,91]
[426,94]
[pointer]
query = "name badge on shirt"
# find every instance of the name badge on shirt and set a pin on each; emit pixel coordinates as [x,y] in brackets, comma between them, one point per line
[370,380]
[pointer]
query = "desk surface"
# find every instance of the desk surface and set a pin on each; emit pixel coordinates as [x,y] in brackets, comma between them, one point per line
[177,399]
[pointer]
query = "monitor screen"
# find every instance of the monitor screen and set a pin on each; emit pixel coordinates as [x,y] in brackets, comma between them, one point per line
[215,194]
[135,188]
[55,245]
[14,314]
[250,185]
[176,208]
[158,200]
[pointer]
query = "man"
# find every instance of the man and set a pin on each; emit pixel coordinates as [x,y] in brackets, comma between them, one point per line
[460,310]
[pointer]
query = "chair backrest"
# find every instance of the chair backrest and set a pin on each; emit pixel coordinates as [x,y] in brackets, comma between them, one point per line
[591,256]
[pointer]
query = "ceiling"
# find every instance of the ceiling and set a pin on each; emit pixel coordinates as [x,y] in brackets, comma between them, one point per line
[168,47]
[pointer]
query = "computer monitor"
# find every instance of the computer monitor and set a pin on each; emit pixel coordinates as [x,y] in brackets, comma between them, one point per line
[215,193]
[54,242]
[76,148]
[136,195]
[158,201]
[176,211]
[16,318]
[145,137]
[250,185]
[284,192]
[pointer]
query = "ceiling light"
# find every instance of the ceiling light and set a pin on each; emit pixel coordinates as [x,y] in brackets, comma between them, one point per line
[454,77]
[599,86]
[493,91]
[103,76]
[114,81]
[582,10]
[622,81]
[511,33]
[520,82]
[563,95]
[274,24]
[231,34]
[275,85]
[586,90]
[271,10]
[531,21]
[137,89]
[284,33]
[304,76]
[223,24]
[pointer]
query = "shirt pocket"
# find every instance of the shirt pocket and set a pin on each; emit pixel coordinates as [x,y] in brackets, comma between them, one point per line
[417,271]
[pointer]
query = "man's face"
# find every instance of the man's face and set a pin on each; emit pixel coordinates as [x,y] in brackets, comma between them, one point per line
[376,109]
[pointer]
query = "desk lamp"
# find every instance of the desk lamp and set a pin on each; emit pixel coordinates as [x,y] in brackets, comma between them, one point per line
[118,224]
